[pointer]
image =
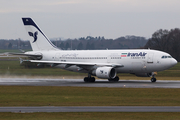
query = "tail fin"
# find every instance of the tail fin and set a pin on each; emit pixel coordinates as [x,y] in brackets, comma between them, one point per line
[38,40]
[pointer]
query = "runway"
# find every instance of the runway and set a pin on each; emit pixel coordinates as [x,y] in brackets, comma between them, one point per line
[92,109]
[81,83]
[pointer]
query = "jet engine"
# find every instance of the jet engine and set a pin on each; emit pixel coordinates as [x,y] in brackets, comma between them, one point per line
[144,74]
[105,72]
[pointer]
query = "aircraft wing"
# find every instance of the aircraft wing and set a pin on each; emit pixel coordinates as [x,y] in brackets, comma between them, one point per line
[114,65]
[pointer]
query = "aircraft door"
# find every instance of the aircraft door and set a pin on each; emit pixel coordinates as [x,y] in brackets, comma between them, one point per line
[150,58]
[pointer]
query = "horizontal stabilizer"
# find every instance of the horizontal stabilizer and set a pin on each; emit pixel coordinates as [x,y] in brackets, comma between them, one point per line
[37,57]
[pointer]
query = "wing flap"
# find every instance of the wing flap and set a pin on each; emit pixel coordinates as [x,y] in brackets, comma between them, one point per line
[78,63]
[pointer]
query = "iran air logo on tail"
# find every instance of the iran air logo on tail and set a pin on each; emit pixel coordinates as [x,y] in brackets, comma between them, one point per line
[34,35]
[140,54]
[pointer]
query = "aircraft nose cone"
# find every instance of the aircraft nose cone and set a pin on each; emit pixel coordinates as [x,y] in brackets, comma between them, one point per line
[173,62]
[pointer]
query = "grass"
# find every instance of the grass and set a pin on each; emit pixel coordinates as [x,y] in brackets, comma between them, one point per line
[90,116]
[86,96]
[9,50]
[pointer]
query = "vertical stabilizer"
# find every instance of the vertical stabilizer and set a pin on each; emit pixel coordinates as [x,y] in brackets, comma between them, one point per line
[38,39]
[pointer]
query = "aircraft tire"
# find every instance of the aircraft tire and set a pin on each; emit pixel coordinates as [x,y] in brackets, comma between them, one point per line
[91,79]
[86,79]
[116,79]
[153,79]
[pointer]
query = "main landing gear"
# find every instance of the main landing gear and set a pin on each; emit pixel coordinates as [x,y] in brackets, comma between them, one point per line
[116,79]
[92,79]
[153,79]
[89,78]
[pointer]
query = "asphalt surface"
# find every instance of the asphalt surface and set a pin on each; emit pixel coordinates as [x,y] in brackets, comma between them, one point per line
[92,109]
[98,83]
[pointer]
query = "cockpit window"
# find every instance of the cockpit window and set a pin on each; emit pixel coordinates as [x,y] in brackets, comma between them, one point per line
[164,57]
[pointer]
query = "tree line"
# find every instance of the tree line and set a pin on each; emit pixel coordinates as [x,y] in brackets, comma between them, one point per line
[83,43]
[14,44]
[98,43]
[167,41]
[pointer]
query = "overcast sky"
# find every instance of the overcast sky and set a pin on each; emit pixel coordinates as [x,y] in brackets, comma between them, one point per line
[80,18]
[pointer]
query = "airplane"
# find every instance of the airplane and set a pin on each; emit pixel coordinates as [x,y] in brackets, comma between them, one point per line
[104,64]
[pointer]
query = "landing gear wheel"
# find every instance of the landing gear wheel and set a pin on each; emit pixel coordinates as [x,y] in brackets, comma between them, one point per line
[89,79]
[92,79]
[153,79]
[86,79]
[116,79]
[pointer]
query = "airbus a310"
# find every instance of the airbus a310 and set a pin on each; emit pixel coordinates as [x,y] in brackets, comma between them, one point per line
[104,64]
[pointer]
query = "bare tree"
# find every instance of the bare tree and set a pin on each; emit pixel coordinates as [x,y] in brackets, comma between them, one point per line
[167,41]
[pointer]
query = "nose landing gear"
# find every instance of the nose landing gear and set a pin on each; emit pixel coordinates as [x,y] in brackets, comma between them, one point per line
[153,79]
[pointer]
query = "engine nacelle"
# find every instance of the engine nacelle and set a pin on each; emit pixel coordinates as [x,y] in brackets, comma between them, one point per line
[105,72]
[144,74]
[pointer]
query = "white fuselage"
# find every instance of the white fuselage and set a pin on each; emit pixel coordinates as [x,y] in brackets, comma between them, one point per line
[133,61]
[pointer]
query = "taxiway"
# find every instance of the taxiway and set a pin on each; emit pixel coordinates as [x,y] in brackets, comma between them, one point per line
[92,109]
